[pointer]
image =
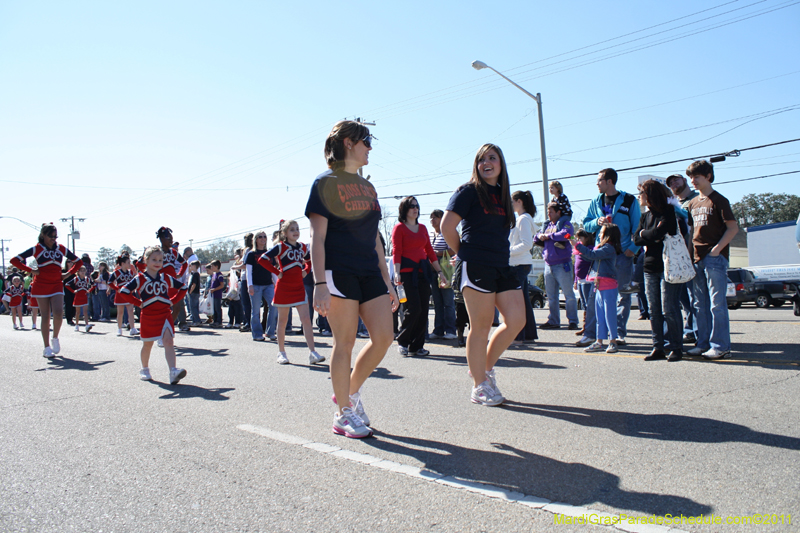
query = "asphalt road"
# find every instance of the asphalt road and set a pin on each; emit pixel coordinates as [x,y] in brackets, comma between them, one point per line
[239,445]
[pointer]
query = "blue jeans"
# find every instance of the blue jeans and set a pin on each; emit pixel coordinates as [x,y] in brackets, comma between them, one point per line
[624,276]
[560,276]
[711,305]
[444,306]
[664,301]
[260,292]
[102,305]
[605,309]
[588,300]
[248,310]
[194,306]
[529,331]
[687,304]
[217,311]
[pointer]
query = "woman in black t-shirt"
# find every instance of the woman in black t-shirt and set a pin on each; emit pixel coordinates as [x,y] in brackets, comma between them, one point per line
[483,207]
[350,273]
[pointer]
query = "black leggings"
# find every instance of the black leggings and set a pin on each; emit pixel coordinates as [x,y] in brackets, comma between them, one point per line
[415,315]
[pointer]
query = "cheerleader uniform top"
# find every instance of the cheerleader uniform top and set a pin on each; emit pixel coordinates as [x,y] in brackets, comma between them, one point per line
[81,289]
[118,279]
[174,264]
[13,295]
[293,260]
[154,291]
[47,282]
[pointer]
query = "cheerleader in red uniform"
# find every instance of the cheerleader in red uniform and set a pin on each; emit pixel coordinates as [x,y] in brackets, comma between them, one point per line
[81,286]
[156,320]
[47,285]
[123,273]
[33,305]
[294,261]
[12,296]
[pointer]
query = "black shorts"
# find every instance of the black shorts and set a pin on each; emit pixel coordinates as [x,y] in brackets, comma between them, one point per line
[353,287]
[484,278]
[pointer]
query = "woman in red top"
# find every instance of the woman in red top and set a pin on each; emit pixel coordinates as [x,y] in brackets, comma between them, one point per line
[47,285]
[413,257]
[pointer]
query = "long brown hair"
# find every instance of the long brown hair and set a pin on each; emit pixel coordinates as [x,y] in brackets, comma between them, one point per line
[610,234]
[483,189]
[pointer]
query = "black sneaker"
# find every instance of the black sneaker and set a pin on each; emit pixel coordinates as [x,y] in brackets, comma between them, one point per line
[548,325]
[689,338]
[573,327]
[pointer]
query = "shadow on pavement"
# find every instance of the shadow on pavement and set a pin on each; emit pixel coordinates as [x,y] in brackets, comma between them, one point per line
[532,474]
[62,363]
[183,352]
[678,428]
[193,391]
[506,361]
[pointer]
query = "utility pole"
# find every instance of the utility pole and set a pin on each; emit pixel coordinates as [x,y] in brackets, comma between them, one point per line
[3,252]
[72,226]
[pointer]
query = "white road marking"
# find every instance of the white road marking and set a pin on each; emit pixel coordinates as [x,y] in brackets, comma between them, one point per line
[484,489]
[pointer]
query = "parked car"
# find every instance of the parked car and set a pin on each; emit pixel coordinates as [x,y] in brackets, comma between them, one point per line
[536,295]
[743,287]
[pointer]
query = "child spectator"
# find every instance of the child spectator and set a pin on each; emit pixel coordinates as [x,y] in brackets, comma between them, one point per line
[585,288]
[194,292]
[557,190]
[215,290]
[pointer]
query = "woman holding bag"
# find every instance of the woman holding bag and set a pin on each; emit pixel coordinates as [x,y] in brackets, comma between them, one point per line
[659,221]
[444,322]
[520,259]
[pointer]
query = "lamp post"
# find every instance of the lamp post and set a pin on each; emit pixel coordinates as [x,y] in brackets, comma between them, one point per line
[478,65]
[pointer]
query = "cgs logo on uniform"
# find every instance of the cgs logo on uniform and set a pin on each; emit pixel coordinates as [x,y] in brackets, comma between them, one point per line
[52,255]
[155,288]
[295,255]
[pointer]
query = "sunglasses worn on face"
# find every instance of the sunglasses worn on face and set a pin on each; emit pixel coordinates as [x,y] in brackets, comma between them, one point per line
[413,206]
[368,141]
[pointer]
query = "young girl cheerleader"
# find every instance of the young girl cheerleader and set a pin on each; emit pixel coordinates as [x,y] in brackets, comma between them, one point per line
[13,298]
[603,273]
[47,278]
[81,286]
[122,275]
[33,305]
[156,319]
[290,291]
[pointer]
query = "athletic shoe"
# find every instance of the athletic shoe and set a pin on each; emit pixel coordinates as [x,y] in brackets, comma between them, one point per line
[674,355]
[282,359]
[119,333]
[492,377]
[144,374]
[56,344]
[160,343]
[596,347]
[326,333]
[696,351]
[357,405]
[77,328]
[175,375]
[260,339]
[621,341]
[422,352]
[273,337]
[402,350]
[633,288]
[585,341]
[548,325]
[134,331]
[435,336]
[88,328]
[315,358]
[573,326]
[714,353]
[350,425]
[362,335]
[612,348]
[485,394]
[33,327]
[450,336]
[689,338]
[16,326]
[48,353]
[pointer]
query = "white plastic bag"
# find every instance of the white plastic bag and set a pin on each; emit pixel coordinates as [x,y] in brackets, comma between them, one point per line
[678,266]
[207,305]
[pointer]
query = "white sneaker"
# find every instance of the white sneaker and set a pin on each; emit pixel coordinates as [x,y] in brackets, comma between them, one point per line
[597,346]
[175,375]
[714,353]
[403,350]
[357,405]
[350,425]
[159,342]
[119,333]
[492,377]
[282,359]
[450,336]
[48,353]
[315,358]
[88,328]
[16,326]
[134,331]
[77,327]
[485,394]
[56,345]
[144,374]
[33,327]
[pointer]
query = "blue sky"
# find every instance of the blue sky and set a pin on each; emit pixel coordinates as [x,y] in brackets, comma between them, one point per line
[211,118]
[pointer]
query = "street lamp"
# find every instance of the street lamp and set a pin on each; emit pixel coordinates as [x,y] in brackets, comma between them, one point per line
[478,65]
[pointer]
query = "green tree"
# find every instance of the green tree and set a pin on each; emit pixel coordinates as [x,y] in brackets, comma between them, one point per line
[224,250]
[106,255]
[766,208]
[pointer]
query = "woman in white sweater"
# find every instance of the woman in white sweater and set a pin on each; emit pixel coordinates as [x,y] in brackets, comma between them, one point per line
[521,242]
